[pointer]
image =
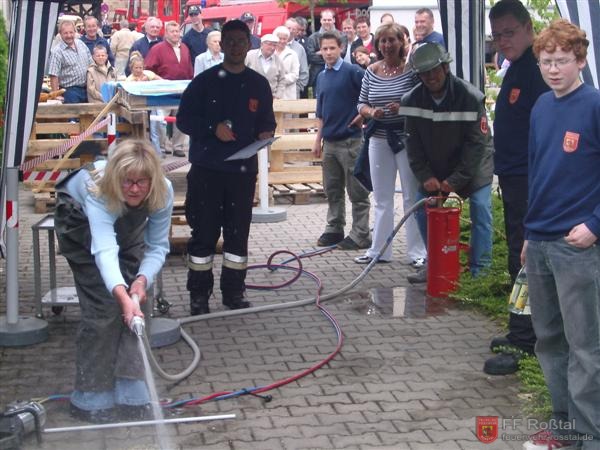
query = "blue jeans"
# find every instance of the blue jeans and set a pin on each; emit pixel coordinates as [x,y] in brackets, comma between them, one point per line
[481,227]
[564,294]
[75,94]
[125,392]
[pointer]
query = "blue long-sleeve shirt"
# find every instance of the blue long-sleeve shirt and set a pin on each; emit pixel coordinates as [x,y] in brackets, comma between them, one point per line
[104,245]
[338,89]
[564,163]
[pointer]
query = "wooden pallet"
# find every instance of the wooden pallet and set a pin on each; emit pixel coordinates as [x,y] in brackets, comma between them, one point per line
[299,193]
[44,202]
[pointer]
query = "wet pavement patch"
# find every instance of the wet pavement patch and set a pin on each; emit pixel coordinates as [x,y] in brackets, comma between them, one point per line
[409,302]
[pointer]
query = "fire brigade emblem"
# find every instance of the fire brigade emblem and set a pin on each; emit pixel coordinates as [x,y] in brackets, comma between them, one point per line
[570,141]
[514,95]
[253,105]
[483,125]
[487,428]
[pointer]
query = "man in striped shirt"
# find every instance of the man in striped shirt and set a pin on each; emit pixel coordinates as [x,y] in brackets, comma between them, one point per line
[68,65]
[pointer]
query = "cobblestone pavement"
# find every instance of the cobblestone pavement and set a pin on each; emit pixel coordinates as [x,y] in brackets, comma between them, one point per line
[408,375]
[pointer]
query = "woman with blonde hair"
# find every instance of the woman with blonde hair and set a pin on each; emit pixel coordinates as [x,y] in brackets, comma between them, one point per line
[384,84]
[139,73]
[112,220]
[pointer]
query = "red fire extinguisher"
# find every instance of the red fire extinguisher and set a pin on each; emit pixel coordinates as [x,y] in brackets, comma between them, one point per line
[443,235]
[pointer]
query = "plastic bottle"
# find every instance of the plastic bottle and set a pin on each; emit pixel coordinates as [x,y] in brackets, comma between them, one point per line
[518,302]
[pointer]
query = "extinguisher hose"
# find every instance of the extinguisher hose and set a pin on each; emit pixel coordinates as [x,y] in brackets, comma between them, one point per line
[277,306]
[257,309]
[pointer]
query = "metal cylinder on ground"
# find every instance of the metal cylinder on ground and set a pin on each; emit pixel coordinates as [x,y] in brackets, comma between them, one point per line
[443,235]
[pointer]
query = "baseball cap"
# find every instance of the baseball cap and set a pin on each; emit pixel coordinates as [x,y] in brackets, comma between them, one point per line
[247,17]
[269,38]
[194,10]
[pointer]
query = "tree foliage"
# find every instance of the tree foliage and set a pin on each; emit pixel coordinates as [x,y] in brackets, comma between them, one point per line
[545,11]
[3,71]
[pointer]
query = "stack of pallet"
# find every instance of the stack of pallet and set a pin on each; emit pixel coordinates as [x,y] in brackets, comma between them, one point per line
[54,125]
[293,169]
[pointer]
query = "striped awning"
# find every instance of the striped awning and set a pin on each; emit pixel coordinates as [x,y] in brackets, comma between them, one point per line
[31,33]
[586,15]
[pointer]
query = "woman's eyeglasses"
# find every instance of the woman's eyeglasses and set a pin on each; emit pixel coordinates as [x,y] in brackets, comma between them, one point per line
[142,183]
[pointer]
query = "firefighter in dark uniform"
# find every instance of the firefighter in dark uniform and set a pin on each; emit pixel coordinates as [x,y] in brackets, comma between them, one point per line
[223,110]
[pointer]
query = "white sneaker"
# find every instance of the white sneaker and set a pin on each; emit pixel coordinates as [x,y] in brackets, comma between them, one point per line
[418,263]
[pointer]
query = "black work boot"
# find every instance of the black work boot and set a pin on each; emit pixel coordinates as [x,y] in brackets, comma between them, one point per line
[235,301]
[199,303]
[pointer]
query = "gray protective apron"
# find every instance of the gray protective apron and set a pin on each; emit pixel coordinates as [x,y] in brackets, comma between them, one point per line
[106,348]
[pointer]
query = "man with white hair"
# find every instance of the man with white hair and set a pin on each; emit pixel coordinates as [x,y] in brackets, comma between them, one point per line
[264,61]
[302,81]
[291,64]
[212,56]
[152,27]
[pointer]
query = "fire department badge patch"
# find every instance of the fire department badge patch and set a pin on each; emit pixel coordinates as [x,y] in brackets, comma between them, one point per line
[253,105]
[514,95]
[570,141]
[487,428]
[483,125]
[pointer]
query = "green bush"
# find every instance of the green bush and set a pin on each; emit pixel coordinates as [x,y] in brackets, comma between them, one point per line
[3,74]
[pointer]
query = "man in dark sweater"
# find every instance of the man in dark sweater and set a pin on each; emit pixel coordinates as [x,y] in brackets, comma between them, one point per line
[512,32]
[195,37]
[223,110]
[152,27]
[338,88]
[91,38]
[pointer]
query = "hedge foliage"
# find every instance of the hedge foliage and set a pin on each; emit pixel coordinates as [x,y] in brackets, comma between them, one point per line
[3,74]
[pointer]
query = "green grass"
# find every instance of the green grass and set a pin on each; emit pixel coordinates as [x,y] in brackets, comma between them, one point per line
[489,295]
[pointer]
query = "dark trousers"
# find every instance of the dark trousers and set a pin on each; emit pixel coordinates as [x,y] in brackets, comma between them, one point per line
[514,199]
[218,201]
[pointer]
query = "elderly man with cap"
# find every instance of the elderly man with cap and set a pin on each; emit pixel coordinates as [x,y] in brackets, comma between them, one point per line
[195,38]
[264,61]
[249,19]
[449,147]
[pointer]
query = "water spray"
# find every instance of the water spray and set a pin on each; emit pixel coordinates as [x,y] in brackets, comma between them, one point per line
[137,325]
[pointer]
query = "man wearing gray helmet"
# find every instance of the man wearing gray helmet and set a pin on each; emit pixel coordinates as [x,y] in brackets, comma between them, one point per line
[449,147]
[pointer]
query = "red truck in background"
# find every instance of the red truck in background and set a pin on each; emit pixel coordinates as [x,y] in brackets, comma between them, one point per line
[269,13]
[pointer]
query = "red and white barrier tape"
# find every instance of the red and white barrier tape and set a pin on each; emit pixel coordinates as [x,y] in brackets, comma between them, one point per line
[27,166]
[46,175]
